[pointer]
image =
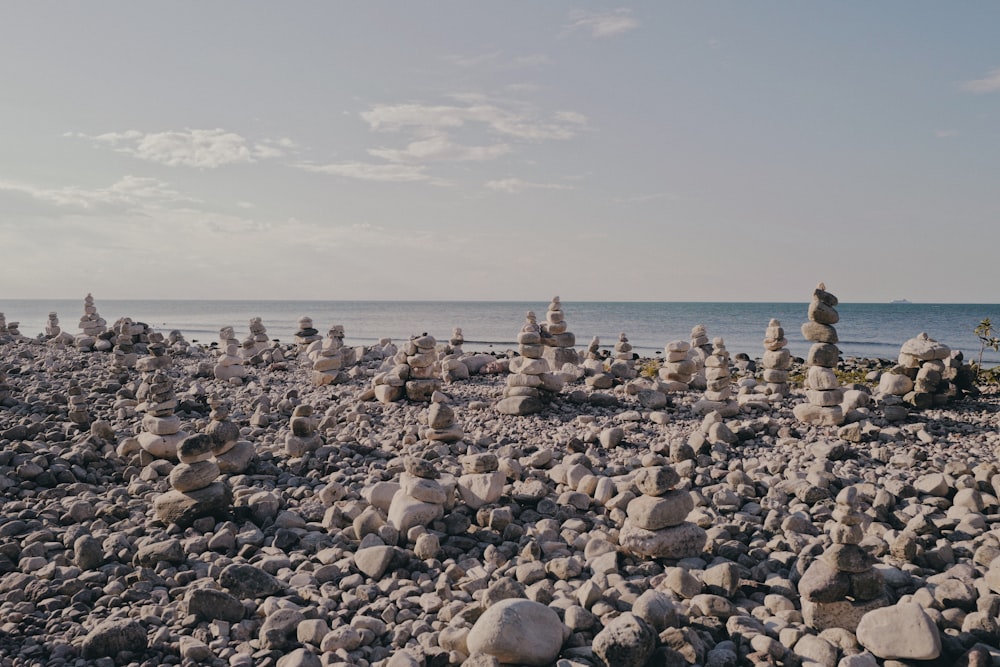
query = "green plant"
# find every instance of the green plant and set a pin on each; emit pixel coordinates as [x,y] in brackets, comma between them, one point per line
[649,368]
[986,339]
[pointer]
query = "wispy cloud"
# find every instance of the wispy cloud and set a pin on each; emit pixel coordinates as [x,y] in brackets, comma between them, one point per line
[440,148]
[203,149]
[988,84]
[127,192]
[513,185]
[366,171]
[601,24]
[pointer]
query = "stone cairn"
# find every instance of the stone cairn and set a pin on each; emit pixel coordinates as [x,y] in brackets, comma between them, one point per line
[329,357]
[456,341]
[699,351]
[303,437]
[482,481]
[91,324]
[421,498]
[227,337]
[177,344]
[257,337]
[307,333]
[78,412]
[529,373]
[823,392]
[123,355]
[14,330]
[719,388]
[229,366]
[413,373]
[655,525]
[557,340]
[928,373]
[232,455]
[196,490]
[842,585]
[158,359]
[623,366]
[679,366]
[441,424]
[777,359]
[161,434]
[54,333]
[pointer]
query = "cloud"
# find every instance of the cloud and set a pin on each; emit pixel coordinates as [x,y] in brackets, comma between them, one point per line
[512,185]
[127,192]
[432,119]
[204,149]
[441,148]
[366,171]
[603,24]
[988,84]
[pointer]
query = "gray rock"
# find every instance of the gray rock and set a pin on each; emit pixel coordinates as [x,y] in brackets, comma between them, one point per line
[248,581]
[628,641]
[112,636]
[518,631]
[211,605]
[901,632]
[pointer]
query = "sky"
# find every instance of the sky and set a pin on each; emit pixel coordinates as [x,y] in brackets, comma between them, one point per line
[651,151]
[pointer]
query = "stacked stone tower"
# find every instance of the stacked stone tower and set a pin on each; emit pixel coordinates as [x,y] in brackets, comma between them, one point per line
[823,392]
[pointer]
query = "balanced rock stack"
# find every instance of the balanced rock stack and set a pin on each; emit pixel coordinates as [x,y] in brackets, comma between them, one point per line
[593,360]
[307,333]
[123,353]
[699,351]
[329,357]
[257,336]
[453,368]
[196,490]
[91,324]
[303,437]
[823,392]
[623,365]
[158,359]
[679,366]
[529,373]
[227,337]
[14,331]
[232,455]
[54,333]
[655,524]
[441,424]
[841,585]
[176,343]
[557,340]
[482,481]
[421,498]
[935,369]
[456,341]
[420,355]
[719,388]
[229,366]
[162,434]
[77,405]
[777,359]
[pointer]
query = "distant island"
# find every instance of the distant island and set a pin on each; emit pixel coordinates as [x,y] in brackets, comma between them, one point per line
[900,301]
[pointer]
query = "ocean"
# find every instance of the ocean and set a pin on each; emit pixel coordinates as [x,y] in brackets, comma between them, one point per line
[865,329]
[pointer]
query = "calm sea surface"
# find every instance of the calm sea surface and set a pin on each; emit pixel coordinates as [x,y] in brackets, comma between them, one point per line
[865,329]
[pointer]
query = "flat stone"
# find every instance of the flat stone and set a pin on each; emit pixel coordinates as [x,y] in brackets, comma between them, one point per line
[683,541]
[183,509]
[193,476]
[247,581]
[656,512]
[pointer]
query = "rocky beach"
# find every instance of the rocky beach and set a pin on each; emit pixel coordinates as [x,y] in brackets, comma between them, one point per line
[406,503]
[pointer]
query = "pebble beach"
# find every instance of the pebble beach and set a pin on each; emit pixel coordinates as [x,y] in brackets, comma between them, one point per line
[253,503]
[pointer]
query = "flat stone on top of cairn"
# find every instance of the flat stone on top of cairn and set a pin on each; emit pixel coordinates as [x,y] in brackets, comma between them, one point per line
[842,585]
[656,525]
[529,373]
[823,392]
[92,325]
[307,333]
[556,338]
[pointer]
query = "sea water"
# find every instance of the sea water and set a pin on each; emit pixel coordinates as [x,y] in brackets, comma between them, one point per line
[865,329]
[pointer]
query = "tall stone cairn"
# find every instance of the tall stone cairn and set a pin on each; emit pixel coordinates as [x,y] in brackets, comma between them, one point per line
[329,358]
[701,348]
[556,338]
[823,392]
[530,374]
[92,325]
[307,333]
[842,585]
[777,359]
[679,367]
[623,366]
[718,383]
[196,490]
[161,434]
[77,405]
